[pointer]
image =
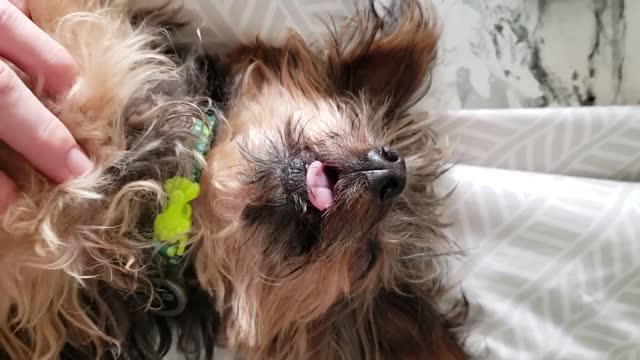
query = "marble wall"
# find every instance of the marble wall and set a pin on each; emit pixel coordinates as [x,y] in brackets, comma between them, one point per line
[495,53]
[532,53]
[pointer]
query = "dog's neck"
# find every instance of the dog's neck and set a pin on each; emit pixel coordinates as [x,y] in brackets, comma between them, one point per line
[172,226]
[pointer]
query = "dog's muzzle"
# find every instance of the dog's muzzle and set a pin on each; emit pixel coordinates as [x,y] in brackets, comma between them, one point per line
[384,169]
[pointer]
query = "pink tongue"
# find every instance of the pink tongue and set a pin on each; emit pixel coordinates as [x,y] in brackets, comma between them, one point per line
[320,192]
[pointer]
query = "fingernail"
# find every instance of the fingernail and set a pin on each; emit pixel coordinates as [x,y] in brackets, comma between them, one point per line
[77,162]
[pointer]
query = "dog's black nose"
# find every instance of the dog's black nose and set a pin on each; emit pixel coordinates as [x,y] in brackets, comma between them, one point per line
[386,173]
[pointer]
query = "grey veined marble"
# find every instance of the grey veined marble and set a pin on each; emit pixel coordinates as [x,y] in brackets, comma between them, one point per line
[530,53]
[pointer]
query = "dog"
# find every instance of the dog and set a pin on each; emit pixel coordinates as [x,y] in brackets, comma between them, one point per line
[309,230]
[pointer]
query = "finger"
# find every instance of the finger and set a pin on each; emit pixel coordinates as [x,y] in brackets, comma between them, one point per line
[33,51]
[21,5]
[29,128]
[7,192]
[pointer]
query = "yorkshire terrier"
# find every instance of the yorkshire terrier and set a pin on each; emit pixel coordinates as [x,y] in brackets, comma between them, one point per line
[309,230]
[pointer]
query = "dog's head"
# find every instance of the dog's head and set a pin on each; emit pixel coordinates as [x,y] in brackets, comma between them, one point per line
[310,183]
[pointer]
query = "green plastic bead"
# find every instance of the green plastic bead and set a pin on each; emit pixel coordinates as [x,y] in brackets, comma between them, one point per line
[173,224]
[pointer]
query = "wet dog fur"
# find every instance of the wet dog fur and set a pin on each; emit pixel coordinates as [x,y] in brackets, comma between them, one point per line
[268,274]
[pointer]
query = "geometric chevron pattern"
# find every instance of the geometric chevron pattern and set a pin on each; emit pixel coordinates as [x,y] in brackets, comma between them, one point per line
[597,142]
[230,21]
[554,262]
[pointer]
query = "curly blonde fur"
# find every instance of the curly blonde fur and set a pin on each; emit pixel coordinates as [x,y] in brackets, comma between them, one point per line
[130,103]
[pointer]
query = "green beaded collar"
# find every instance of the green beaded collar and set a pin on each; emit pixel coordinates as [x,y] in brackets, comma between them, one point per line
[173,225]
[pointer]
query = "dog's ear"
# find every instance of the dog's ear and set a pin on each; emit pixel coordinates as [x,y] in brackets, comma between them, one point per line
[386,54]
[292,64]
[408,327]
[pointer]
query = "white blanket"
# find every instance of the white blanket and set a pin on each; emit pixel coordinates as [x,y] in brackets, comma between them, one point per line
[551,230]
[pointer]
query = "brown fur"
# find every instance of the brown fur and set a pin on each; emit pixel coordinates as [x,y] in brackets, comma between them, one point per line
[360,280]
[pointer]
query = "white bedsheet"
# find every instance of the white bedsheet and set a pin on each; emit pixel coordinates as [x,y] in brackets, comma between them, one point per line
[553,270]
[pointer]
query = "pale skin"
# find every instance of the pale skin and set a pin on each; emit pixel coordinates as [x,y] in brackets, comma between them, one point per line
[25,124]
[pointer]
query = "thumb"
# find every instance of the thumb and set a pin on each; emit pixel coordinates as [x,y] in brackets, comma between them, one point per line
[21,5]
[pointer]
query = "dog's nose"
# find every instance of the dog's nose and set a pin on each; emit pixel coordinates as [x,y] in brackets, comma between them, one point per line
[386,173]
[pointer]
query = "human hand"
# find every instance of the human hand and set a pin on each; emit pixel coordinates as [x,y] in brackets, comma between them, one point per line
[25,124]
